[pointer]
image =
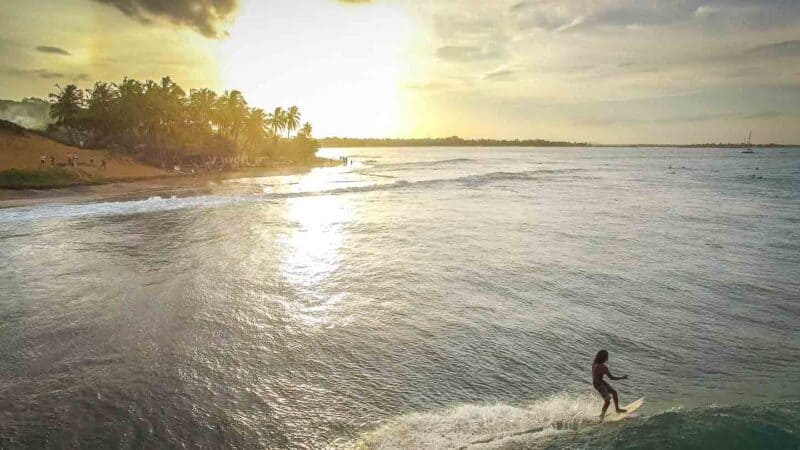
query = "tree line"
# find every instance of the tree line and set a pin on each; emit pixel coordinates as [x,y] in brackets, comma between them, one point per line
[161,124]
[452,141]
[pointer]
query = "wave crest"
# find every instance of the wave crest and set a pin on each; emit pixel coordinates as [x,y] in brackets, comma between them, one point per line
[156,203]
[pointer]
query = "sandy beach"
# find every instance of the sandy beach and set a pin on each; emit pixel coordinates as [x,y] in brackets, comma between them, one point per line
[122,177]
[160,184]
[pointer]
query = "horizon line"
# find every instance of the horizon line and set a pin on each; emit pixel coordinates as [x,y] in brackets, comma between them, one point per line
[566,143]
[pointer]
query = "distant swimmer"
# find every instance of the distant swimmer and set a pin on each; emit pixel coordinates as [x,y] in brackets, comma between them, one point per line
[599,369]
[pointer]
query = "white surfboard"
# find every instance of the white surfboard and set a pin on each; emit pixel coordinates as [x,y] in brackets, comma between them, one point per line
[629,410]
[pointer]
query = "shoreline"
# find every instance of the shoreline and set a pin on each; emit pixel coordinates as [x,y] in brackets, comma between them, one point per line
[492,146]
[162,184]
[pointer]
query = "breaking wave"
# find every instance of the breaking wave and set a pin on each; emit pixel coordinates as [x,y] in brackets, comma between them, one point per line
[157,203]
[421,164]
[566,421]
[468,425]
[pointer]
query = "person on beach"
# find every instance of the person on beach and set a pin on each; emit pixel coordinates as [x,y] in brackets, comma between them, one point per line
[599,369]
[42,160]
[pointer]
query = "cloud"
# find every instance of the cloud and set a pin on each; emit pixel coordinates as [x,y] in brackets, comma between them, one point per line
[500,74]
[203,16]
[549,17]
[46,74]
[470,37]
[468,53]
[566,15]
[776,50]
[690,118]
[459,26]
[53,50]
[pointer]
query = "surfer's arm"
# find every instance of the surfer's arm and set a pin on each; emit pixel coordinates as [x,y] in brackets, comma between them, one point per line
[613,378]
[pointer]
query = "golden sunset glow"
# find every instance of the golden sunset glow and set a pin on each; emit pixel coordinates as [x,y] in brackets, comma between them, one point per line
[348,84]
[608,71]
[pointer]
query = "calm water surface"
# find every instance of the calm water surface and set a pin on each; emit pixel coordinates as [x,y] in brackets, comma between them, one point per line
[416,298]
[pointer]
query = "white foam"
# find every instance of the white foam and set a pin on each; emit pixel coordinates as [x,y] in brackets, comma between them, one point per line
[152,204]
[484,425]
[155,204]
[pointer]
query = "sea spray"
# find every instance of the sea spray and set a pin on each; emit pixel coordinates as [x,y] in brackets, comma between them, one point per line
[470,424]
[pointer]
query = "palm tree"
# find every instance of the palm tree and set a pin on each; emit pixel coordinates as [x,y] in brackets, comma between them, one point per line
[129,109]
[220,116]
[238,112]
[292,119]
[100,105]
[277,120]
[254,129]
[202,107]
[171,104]
[66,107]
[231,113]
[305,131]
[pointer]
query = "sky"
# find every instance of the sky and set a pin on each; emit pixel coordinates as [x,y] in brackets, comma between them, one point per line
[601,71]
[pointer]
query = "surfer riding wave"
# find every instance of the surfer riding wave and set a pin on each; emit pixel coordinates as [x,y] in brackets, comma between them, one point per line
[599,369]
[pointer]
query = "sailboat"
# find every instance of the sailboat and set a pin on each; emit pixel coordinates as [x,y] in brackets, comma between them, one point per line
[749,148]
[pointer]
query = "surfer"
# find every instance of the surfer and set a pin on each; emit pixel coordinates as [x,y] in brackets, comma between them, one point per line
[599,369]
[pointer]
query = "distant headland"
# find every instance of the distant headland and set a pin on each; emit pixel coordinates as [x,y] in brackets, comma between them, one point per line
[452,141]
[455,141]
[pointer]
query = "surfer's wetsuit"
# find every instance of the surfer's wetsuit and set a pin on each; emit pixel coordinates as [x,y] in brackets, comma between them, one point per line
[605,389]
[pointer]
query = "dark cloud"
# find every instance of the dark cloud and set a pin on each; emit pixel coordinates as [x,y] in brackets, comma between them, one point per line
[776,50]
[53,50]
[501,74]
[467,53]
[204,16]
[46,74]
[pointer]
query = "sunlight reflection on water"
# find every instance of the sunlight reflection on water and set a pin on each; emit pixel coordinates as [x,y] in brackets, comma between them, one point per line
[312,249]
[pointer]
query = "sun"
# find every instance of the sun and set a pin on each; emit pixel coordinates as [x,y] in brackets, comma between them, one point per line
[343,65]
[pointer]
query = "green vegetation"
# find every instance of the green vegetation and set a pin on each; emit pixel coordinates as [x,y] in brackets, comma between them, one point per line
[453,141]
[160,124]
[38,179]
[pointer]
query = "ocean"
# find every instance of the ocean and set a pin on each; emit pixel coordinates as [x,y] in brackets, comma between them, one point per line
[414,298]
